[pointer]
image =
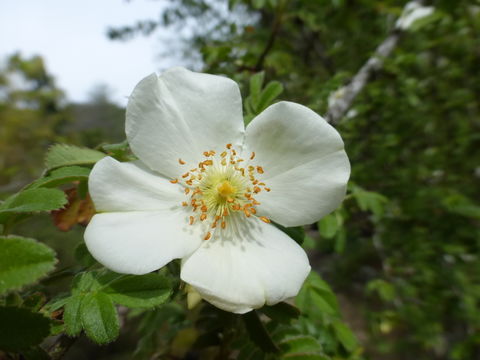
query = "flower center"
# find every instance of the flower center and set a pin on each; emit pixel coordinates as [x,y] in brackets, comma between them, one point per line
[219,188]
[225,189]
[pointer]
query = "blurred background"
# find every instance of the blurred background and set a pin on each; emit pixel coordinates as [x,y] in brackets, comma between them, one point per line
[402,254]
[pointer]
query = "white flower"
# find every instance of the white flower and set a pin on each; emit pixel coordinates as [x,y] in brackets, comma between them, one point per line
[205,189]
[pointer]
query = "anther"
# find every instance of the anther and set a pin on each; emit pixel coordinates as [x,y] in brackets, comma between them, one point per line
[204,208]
[206,153]
[181,162]
[230,200]
[265,219]
[259,169]
[203,216]
[229,146]
[174,181]
[223,154]
[253,155]
[266,189]
[224,224]
[184,203]
[187,190]
[192,219]
[207,236]
[185,175]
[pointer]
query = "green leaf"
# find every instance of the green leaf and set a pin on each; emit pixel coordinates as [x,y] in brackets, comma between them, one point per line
[344,335]
[282,312]
[99,318]
[316,298]
[72,315]
[142,291]
[256,82]
[258,334]
[21,328]
[268,95]
[31,200]
[83,256]
[61,176]
[329,225]
[369,200]
[296,345]
[23,261]
[385,290]
[65,155]
[306,356]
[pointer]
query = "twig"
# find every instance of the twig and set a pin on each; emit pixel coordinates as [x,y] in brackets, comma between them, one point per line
[61,346]
[347,94]
[271,40]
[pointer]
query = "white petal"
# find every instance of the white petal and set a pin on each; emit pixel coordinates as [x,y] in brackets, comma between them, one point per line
[258,264]
[140,242]
[304,163]
[129,186]
[181,114]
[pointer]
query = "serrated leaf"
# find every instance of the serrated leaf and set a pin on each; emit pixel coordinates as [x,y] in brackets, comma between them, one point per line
[85,282]
[99,318]
[344,335]
[72,315]
[268,95]
[31,200]
[23,261]
[63,175]
[65,155]
[316,298]
[142,291]
[21,328]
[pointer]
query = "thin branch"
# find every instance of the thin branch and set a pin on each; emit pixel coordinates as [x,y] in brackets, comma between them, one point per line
[60,347]
[345,96]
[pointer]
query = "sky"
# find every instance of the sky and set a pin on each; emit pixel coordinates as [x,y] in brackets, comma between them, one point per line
[71,37]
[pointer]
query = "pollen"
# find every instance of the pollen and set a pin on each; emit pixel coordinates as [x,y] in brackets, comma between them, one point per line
[221,190]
